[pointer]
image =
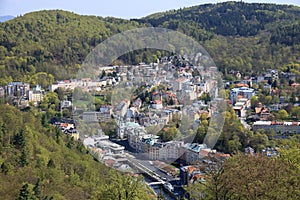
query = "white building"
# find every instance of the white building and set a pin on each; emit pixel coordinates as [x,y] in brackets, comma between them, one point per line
[102,142]
[157,104]
[65,104]
[67,85]
[36,95]
[279,127]
[244,92]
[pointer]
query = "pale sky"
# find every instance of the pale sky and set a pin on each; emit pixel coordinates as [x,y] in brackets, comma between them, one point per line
[117,8]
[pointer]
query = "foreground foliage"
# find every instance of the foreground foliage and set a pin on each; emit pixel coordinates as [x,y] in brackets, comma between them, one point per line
[249,177]
[40,162]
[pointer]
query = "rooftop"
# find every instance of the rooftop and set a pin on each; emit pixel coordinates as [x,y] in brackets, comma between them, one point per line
[268,123]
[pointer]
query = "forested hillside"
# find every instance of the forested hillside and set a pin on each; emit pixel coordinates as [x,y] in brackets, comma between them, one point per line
[230,18]
[55,42]
[40,162]
[237,35]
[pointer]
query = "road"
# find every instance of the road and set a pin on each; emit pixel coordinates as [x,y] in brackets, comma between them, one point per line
[140,159]
[147,164]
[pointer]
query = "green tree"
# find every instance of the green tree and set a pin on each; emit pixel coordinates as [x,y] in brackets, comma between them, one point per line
[200,135]
[61,93]
[254,102]
[248,175]
[24,192]
[123,187]
[51,164]
[24,158]
[170,134]
[282,115]
[4,168]
[268,100]
[234,145]
[296,112]
[37,189]
[258,141]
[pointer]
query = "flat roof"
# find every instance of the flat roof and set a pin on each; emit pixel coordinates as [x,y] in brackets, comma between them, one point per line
[237,107]
[243,89]
[243,99]
[276,123]
[110,144]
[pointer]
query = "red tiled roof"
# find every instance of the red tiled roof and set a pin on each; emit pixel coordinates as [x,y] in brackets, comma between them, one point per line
[203,152]
[190,169]
[64,125]
[219,155]
[155,93]
[157,102]
[242,85]
[239,97]
[165,129]
[258,110]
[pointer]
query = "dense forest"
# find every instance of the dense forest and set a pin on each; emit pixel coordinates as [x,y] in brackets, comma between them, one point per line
[238,35]
[55,42]
[38,161]
[251,177]
[241,36]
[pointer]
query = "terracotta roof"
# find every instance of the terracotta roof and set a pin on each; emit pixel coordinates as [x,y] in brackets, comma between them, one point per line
[190,169]
[203,152]
[239,97]
[295,85]
[157,102]
[155,93]
[219,155]
[165,129]
[242,85]
[258,110]
[64,125]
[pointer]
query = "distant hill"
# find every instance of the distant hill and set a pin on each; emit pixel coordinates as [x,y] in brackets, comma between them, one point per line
[53,41]
[6,18]
[241,36]
[229,18]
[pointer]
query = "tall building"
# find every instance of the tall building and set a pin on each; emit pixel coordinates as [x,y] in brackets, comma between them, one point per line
[16,89]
